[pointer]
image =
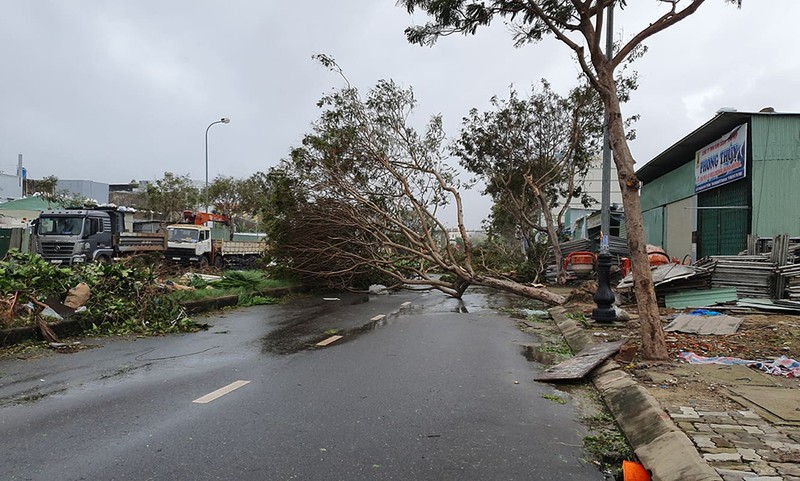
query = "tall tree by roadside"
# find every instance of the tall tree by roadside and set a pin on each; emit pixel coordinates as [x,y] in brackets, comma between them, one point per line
[578,25]
[532,155]
[169,196]
[366,192]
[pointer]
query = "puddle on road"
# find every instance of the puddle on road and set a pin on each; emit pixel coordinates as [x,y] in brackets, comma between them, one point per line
[299,332]
[535,354]
[308,321]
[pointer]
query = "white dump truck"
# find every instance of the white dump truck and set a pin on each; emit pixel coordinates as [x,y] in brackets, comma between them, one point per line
[194,242]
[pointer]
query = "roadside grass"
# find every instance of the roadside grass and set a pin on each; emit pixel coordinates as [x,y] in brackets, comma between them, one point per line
[556,399]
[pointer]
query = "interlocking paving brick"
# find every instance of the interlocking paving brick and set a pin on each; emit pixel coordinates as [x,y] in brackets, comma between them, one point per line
[713,457]
[703,441]
[763,469]
[720,428]
[789,469]
[749,455]
[742,446]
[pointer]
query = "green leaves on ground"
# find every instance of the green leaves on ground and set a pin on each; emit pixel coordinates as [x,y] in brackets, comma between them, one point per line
[126,296]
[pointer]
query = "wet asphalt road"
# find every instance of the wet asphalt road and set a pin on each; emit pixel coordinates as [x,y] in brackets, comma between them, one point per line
[427,393]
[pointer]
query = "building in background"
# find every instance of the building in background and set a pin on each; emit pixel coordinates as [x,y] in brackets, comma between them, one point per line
[10,187]
[581,221]
[736,175]
[84,188]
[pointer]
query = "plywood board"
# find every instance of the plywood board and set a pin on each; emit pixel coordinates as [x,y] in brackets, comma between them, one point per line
[583,362]
[781,402]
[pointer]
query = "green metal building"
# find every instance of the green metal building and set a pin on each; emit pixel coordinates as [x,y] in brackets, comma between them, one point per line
[738,174]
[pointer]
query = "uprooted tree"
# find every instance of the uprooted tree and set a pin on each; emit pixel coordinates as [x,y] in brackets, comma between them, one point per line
[365,190]
[578,25]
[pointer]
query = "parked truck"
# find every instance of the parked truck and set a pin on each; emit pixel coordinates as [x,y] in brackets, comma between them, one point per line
[194,242]
[90,234]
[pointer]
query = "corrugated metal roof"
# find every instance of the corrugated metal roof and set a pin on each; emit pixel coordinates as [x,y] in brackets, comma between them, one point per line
[30,203]
[683,150]
[700,298]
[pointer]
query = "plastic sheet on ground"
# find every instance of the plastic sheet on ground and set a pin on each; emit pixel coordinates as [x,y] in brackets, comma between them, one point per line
[782,366]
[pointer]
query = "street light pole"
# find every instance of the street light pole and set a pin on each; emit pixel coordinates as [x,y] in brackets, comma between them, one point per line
[604,296]
[223,120]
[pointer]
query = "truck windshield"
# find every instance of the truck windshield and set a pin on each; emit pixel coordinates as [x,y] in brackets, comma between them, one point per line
[60,225]
[183,235]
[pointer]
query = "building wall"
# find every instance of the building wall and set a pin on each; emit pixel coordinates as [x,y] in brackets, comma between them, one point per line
[593,186]
[87,188]
[671,187]
[653,220]
[680,220]
[10,187]
[668,211]
[775,176]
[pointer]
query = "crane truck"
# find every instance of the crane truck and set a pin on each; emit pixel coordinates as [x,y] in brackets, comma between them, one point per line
[194,242]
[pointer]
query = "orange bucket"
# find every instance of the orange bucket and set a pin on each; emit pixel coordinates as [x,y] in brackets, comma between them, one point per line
[633,471]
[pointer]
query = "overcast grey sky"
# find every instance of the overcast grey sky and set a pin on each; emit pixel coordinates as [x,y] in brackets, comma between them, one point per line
[112,91]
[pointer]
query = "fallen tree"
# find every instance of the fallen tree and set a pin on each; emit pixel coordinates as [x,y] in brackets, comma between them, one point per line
[367,192]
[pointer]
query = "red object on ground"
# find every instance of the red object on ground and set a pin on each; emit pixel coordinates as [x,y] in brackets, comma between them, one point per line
[633,471]
[582,262]
[625,266]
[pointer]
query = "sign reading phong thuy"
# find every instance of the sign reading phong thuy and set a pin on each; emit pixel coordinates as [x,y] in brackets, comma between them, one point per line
[722,161]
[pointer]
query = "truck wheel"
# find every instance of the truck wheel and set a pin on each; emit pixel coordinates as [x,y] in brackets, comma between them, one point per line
[104,259]
[203,261]
[219,263]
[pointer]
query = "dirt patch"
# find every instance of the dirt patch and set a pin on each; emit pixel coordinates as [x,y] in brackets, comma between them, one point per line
[761,336]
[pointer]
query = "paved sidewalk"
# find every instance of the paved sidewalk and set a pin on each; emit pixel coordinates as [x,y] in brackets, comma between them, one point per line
[741,445]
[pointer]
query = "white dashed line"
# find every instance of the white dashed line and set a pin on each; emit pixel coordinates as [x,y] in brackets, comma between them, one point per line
[328,341]
[220,392]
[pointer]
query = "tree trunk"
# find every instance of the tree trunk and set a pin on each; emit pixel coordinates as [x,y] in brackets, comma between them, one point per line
[520,289]
[653,343]
[552,234]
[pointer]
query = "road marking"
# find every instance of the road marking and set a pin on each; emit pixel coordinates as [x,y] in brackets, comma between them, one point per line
[328,341]
[220,392]
[378,317]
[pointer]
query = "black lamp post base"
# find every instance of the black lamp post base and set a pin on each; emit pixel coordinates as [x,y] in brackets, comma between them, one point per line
[604,297]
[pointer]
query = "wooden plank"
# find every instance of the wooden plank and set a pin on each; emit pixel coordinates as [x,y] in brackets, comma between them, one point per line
[328,341]
[583,362]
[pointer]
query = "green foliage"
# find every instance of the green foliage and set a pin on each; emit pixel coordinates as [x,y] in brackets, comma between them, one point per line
[247,285]
[250,299]
[169,196]
[32,277]
[127,298]
[250,280]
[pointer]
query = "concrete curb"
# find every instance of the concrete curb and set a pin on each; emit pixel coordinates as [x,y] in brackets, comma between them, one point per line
[71,327]
[665,450]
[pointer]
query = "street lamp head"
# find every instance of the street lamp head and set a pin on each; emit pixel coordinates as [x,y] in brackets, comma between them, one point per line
[225,120]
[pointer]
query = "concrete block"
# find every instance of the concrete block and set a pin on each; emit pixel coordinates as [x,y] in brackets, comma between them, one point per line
[639,415]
